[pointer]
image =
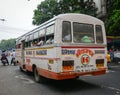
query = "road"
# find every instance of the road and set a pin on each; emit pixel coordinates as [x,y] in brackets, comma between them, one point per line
[14,82]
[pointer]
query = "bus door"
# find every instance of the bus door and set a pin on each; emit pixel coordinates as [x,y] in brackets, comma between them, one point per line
[23,54]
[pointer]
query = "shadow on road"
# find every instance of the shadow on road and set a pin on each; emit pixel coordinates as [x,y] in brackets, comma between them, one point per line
[71,85]
[62,86]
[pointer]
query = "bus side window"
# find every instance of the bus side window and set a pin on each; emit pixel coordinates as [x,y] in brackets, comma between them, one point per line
[27,44]
[18,46]
[50,34]
[66,32]
[50,40]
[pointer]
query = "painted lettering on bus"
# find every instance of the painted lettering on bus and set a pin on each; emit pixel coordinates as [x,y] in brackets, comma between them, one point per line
[85,59]
[84,51]
[68,52]
[41,52]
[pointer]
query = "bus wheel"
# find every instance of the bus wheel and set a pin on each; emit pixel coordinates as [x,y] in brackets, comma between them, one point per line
[36,75]
[21,69]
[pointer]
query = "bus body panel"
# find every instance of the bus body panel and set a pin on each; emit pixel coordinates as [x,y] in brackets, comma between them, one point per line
[51,66]
[85,59]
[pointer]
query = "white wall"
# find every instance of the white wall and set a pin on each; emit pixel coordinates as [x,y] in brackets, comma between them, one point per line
[98,5]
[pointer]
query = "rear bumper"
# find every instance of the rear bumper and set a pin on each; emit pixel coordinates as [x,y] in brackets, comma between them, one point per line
[74,75]
[70,75]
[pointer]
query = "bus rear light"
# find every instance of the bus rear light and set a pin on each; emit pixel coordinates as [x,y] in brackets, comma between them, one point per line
[99,63]
[68,65]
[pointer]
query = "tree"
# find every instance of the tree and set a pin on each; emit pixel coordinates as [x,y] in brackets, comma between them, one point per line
[78,6]
[7,44]
[50,8]
[113,20]
[90,8]
[46,10]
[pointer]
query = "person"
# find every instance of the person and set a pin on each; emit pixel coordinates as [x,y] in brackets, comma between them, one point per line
[13,58]
[67,37]
[4,58]
[99,40]
[35,43]
[86,39]
[9,56]
[108,59]
[40,43]
[111,55]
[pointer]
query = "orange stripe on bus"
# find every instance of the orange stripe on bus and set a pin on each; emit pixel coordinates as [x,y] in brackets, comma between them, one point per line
[28,67]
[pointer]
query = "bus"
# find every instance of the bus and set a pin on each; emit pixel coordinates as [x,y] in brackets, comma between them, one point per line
[73,45]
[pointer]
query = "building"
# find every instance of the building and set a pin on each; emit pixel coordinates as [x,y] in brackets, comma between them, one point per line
[101,6]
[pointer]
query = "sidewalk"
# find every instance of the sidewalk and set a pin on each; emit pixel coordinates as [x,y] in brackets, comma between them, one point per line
[113,64]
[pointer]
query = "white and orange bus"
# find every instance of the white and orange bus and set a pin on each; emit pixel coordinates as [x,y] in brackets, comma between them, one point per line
[73,45]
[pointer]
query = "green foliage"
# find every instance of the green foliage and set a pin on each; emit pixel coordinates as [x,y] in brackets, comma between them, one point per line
[46,10]
[7,44]
[113,21]
[50,8]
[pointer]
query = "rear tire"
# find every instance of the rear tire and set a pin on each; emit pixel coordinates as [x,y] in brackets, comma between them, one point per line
[21,69]
[38,78]
[36,75]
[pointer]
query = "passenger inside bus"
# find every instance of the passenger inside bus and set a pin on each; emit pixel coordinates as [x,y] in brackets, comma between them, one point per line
[67,38]
[86,39]
[99,40]
[40,43]
[31,44]
[34,43]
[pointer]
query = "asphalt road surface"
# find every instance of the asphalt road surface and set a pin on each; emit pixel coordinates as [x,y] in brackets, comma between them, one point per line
[15,82]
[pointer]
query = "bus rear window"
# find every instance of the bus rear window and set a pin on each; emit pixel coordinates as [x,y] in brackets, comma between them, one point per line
[66,31]
[83,33]
[99,35]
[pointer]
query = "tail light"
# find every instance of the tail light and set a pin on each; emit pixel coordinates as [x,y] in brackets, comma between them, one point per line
[99,63]
[68,65]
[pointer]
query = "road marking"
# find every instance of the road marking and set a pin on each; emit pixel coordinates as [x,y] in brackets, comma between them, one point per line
[25,80]
[115,66]
[108,71]
[112,88]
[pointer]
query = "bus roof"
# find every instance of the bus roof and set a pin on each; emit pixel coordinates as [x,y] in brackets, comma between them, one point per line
[68,16]
[83,17]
